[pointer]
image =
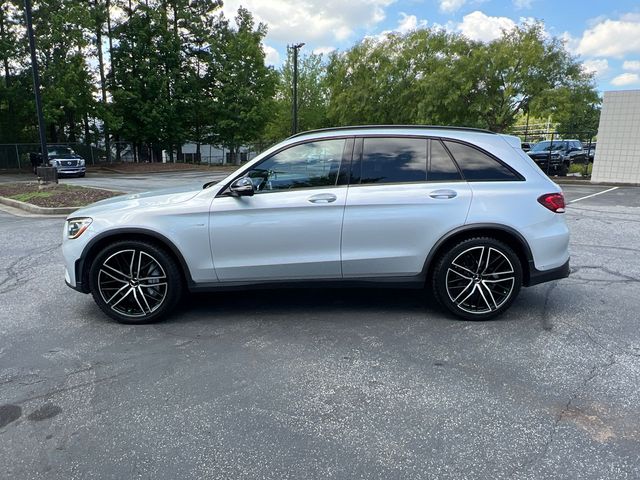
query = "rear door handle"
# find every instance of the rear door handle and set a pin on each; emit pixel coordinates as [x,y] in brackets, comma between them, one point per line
[443,194]
[322,198]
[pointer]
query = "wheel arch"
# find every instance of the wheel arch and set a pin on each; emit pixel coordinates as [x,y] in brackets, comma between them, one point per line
[503,233]
[83,264]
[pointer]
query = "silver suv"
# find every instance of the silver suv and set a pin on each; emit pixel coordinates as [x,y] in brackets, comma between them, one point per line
[465,212]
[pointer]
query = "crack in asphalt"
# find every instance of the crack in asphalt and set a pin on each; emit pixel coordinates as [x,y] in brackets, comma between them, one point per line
[624,278]
[594,372]
[16,273]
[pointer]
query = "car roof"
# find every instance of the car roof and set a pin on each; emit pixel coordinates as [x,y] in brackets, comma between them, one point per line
[406,129]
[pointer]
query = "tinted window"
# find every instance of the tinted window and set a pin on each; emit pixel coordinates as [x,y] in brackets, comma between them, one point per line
[314,164]
[441,166]
[478,166]
[389,160]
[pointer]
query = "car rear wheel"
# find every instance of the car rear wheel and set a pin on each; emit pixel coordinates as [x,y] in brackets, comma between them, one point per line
[135,282]
[478,278]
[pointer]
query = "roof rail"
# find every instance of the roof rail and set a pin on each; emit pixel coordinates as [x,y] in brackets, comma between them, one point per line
[431,127]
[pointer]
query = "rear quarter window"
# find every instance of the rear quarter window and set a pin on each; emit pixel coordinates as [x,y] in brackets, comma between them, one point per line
[477,166]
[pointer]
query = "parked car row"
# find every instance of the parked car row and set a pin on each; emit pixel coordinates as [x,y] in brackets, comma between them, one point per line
[555,157]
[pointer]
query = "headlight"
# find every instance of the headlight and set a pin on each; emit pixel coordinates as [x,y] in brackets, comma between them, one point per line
[77,226]
[81,162]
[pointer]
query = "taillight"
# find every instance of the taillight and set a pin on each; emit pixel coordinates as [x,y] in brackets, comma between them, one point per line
[553,201]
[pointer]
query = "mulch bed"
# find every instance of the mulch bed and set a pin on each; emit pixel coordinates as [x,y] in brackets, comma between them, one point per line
[53,195]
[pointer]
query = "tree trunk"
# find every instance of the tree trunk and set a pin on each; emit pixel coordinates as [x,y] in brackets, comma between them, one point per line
[87,129]
[5,60]
[103,86]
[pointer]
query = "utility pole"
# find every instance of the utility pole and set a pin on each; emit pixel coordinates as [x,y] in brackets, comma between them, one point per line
[36,83]
[294,116]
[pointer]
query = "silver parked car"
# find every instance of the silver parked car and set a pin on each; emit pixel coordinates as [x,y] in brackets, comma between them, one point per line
[463,211]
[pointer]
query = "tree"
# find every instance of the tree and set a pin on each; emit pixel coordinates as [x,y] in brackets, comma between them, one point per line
[245,86]
[434,77]
[313,98]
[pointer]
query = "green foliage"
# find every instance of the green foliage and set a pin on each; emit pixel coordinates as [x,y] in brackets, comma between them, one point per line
[246,86]
[164,72]
[313,97]
[434,77]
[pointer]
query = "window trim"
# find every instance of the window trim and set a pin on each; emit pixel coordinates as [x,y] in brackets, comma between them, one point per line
[345,165]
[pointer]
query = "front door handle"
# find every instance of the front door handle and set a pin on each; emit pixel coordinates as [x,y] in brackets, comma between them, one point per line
[443,194]
[322,198]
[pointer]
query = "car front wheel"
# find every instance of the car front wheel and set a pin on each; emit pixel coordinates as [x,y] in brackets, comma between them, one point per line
[478,278]
[135,282]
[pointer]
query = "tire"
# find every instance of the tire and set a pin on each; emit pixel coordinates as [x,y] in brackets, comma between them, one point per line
[477,293]
[135,282]
[81,175]
[563,170]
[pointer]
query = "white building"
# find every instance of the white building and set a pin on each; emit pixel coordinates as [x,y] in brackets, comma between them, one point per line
[617,157]
[212,154]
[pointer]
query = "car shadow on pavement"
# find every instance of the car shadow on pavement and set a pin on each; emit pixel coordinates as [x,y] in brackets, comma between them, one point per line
[306,302]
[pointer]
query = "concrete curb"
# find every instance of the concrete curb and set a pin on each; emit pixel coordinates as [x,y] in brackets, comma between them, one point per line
[27,207]
[589,183]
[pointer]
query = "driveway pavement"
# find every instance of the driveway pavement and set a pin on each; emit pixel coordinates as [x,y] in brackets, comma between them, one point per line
[133,183]
[319,383]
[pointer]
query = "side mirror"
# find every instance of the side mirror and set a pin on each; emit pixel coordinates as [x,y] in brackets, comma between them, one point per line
[242,187]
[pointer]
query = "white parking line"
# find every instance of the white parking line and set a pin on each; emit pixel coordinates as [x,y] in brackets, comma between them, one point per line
[593,195]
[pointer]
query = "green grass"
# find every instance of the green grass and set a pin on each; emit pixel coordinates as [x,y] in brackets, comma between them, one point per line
[26,197]
[578,168]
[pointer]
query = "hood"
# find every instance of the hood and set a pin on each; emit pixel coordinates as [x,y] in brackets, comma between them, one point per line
[545,154]
[165,196]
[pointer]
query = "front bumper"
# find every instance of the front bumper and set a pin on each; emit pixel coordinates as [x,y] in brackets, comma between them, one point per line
[71,170]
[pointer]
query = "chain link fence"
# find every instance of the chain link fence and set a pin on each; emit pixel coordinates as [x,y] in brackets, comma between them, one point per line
[562,153]
[16,156]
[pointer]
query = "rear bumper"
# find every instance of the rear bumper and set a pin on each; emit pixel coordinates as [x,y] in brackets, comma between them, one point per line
[541,276]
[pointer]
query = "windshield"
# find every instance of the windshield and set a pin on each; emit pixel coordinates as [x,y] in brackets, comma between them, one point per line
[60,151]
[547,146]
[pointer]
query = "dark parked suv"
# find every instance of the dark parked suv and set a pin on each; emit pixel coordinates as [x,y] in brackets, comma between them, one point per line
[555,157]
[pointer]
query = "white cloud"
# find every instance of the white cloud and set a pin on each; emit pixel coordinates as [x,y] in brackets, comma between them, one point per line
[597,66]
[625,79]
[450,6]
[323,50]
[633,65]
[479,26]
[409,23]
[611,38]
[522,4]
[271,55]
[312,21]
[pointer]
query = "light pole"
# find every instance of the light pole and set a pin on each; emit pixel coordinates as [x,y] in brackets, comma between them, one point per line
[36,83]
[294,116]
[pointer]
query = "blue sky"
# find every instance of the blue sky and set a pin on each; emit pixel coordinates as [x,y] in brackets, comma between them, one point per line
[605,35]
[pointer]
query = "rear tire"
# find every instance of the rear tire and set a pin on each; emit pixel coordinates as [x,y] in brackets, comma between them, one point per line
[135,282]
[477,279]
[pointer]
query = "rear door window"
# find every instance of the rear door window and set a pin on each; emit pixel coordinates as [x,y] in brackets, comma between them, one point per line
[441,166]
[391,160]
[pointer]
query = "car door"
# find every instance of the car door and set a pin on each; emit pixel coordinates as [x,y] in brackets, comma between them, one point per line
[290,228]
[405,193]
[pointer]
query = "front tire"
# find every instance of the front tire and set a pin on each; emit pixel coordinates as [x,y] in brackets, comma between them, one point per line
[135,282]
[478,279]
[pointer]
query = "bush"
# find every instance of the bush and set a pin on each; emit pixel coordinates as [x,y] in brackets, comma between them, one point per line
[580,168]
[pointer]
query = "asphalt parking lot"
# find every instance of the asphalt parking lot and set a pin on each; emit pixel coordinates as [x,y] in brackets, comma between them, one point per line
[317,383]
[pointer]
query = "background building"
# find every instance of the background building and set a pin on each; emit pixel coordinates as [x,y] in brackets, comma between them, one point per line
[617,156]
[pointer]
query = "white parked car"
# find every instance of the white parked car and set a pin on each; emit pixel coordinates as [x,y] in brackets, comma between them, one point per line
[462,211]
